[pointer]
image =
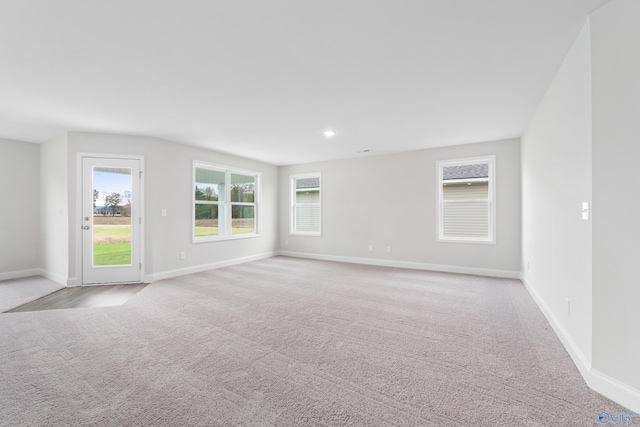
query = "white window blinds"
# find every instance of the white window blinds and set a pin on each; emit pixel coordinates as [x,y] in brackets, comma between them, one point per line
[306,213]
[466,200]
[466,210]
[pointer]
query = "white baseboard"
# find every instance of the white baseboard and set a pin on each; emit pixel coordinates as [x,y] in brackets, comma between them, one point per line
[611,388]
[203,267]
[579,359]
[615,390]
[19,274]
[506,274]
[52,276]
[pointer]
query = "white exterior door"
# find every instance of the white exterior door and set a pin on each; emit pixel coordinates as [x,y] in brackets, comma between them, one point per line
[111,249]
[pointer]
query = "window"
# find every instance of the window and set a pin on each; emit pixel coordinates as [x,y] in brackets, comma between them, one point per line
[466,200]
[306,209]
[225,202]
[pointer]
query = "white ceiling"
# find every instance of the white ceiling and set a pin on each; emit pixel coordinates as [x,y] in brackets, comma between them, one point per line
[264,79]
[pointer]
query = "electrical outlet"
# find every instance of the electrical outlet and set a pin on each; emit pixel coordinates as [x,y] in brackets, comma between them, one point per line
[370,248]
[164,212]
[568,307]
[388,249]
[183,255]
[585,211]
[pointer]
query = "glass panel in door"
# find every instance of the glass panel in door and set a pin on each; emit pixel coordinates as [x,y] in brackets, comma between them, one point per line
[111,216]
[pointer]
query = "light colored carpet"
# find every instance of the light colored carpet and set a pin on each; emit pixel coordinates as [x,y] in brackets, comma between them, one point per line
[293,342]
[15,292]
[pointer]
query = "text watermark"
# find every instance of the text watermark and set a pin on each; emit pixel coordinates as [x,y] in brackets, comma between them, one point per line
[607,417]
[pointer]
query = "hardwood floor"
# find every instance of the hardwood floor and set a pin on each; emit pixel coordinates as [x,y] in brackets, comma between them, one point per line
[83,297]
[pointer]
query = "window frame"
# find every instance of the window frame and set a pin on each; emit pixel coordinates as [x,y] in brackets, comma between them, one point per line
[292,211]
[225,206]
[491,199]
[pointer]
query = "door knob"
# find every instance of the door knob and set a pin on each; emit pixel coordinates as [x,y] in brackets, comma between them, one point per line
[86,227]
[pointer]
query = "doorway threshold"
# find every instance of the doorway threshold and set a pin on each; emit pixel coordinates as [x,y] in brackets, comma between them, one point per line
[83,297]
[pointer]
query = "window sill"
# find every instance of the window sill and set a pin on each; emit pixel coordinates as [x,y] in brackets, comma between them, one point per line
[467,241]
[306,234]
[222,238]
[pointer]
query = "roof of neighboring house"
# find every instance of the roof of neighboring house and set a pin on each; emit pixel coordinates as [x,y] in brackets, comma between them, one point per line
[307,183]
[480,170]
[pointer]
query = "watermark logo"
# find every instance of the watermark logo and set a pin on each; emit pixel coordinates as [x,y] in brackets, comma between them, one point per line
[607,417]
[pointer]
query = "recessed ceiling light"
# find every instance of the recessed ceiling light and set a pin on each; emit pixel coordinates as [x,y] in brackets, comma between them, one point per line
[329,133]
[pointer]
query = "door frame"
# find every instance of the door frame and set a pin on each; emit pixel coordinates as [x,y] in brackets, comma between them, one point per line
[77,223]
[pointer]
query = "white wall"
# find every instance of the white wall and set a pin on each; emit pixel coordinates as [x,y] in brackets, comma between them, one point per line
[616,159]
[54,222]
[20,212]
[582,145]
[390,200]
[556,179]
[168,185]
